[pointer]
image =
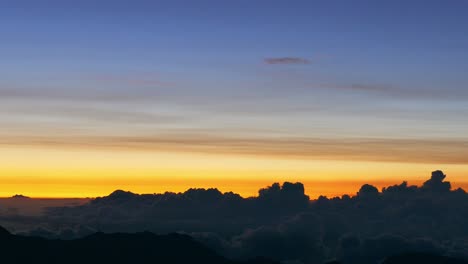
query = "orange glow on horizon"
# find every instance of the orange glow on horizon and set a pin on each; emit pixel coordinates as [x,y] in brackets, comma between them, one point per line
[52,173]
[245,188]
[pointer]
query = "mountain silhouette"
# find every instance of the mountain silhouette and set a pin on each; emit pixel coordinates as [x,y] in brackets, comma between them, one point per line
[417,258]
[116,248]
[4,233]
[422,258]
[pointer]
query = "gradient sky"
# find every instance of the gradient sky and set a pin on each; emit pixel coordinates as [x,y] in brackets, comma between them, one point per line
[151,96]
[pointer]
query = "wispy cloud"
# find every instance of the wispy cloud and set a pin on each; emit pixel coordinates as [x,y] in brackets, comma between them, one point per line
[445,151]
[399,91]
[142,80]
[372,87]
[286,60]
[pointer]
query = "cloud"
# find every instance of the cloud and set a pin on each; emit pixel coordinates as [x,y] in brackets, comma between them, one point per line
[372,87]
[281,222]
[446,151]
[134,80]
[405,92]
[286,60]
[93,87]
[101,114]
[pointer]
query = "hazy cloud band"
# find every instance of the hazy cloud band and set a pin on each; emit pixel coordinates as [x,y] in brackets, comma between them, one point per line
[447,151]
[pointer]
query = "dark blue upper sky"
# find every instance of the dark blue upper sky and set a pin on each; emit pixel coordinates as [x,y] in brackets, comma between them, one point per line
[419,43]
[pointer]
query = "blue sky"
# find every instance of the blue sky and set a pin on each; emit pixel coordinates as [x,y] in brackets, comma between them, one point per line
[308,70]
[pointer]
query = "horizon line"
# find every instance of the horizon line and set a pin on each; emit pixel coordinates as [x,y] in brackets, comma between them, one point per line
[378,184]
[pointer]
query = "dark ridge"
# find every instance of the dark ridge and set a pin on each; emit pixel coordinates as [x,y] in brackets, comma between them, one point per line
[4,233]
[116,248]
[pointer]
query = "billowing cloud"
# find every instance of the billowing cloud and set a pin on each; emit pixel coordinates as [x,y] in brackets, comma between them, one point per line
[281,222]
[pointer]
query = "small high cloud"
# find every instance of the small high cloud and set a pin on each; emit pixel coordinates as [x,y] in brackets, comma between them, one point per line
[286,60]
[375,87]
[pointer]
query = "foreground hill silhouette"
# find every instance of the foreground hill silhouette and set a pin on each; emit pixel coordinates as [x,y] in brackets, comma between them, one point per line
[423,258]
[417,258]
[101,248]
[144,248]
[282,223]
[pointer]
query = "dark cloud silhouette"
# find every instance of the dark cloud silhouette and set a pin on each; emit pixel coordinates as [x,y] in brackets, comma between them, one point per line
[368,191]
[286,60]
[282,223]
[20,196]
[436,183]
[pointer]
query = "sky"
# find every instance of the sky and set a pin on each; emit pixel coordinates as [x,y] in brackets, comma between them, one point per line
[153,96]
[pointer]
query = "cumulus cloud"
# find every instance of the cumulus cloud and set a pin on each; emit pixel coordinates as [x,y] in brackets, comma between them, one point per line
[286,60]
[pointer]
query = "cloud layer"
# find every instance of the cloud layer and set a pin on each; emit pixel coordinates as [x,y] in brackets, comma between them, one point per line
[445,151]
[281,222]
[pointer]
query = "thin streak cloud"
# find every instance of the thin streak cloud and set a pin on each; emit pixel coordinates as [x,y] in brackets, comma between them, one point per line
[134,80]
[445,151]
